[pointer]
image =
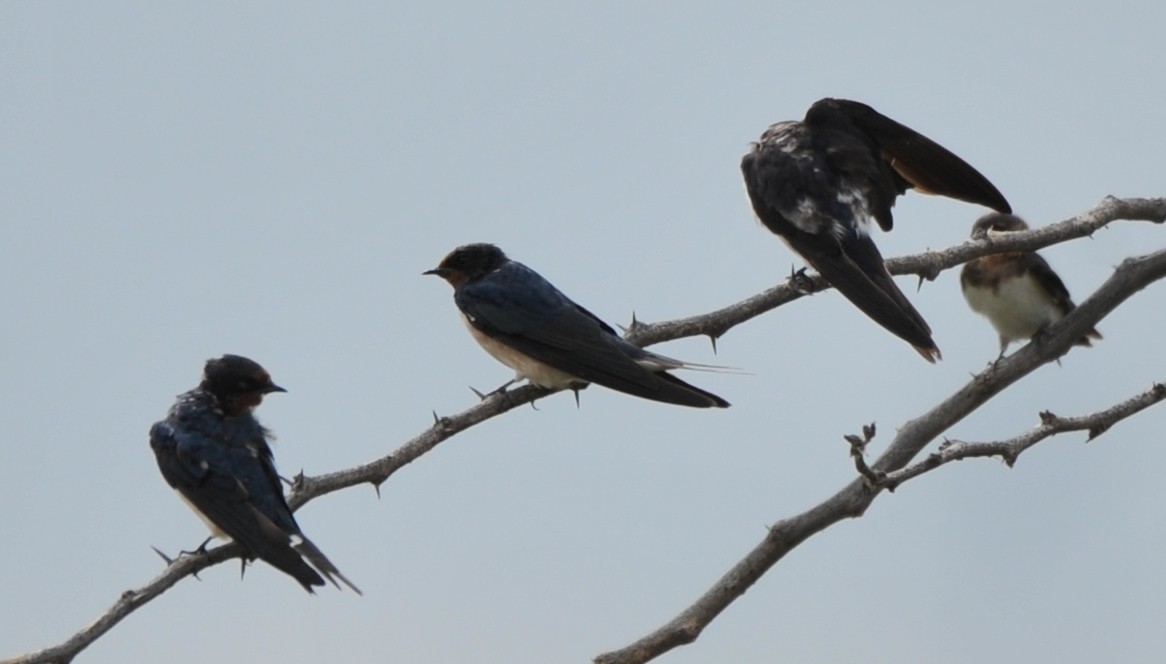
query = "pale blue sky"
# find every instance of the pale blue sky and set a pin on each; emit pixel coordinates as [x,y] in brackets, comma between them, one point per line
[271,180]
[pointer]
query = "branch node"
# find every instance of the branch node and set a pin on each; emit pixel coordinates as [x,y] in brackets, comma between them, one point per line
[800,281]
[1047,418]
[857,449]
[1097,431]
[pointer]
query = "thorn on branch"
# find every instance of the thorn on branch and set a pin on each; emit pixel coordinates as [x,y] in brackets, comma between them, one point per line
[931,269]
[440,422]
[1097,431]
[800,281]
[632,326]
[1047,418]
[297,483]
[168,559]
[713,341]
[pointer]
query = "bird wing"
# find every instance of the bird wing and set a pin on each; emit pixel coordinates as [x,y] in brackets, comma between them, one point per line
[855,267]
[798,196]
[1049,281]
[926,165]
[228,485]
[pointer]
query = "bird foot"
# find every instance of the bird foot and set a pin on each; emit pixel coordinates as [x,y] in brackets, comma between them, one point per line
[200,551]
[499,390]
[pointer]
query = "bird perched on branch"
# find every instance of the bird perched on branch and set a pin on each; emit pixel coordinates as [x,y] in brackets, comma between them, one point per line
[215,454]
[530,326]
[818,182]
[1017,291]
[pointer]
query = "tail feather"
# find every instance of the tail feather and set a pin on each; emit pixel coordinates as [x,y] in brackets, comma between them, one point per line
[308,550]
[874,292]
[683,394]
[289,562]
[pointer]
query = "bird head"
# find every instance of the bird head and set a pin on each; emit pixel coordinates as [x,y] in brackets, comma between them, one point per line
[997,223]
[237,382]
[469,262]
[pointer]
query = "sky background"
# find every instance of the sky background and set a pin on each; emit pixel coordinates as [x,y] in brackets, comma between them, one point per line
[270,179]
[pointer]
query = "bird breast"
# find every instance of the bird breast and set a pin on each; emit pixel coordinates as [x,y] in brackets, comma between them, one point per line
[1016,307]
[524,366]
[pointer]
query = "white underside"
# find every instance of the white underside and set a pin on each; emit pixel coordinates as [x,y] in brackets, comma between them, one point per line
[1017,310]
[524,367]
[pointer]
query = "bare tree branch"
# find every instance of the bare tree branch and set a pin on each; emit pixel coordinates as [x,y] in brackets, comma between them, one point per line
[1008,450]
[851,501]
[927,265]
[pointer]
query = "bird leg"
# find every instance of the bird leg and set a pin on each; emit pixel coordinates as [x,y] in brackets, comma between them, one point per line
[200,551]
[498,390]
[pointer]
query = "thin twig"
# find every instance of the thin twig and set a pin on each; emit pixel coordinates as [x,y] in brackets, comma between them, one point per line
[1009,450]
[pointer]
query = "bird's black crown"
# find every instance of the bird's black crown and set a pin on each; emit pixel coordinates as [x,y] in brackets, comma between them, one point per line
[472,261]
[232,375]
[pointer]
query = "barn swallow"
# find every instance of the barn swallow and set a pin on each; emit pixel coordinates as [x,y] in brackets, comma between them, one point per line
[214,453]
[530,326]
[1017,291]
[817,183]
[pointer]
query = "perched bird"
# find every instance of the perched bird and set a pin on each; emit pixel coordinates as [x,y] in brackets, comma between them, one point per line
[1017,291]
[531,327]
[214,453]
[818,182]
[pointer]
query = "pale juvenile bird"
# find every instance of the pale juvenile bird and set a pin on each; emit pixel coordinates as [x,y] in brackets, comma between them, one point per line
[1017,291]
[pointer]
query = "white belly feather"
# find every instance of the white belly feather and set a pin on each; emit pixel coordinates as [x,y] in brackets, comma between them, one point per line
[1018,309]
[524,366]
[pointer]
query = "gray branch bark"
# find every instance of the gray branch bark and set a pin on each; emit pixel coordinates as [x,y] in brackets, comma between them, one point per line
[850,502]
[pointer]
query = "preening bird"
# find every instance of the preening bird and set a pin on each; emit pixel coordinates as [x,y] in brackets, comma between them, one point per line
[818,182]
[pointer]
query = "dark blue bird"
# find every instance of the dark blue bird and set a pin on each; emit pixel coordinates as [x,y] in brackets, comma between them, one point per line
[214,453]
[531,327]
[818,182]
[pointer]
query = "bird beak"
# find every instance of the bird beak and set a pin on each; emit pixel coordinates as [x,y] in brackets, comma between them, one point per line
[273,388]
[442,272]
